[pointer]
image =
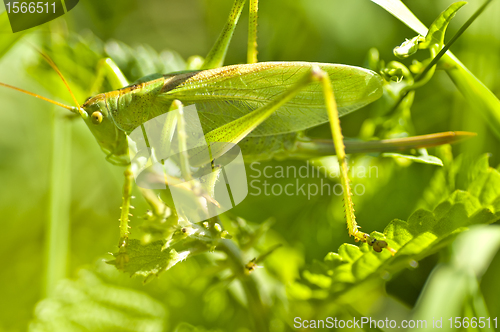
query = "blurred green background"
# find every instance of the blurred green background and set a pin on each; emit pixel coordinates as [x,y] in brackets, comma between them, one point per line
[195,293]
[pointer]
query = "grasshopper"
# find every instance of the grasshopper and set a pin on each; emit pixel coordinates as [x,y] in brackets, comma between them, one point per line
[261,107]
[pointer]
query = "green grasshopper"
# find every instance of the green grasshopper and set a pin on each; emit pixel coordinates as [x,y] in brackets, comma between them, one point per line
[262,107]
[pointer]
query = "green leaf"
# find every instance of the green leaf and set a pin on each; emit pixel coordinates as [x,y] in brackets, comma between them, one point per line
[473,251]
[435,36]
[454,286]
[486,184]
[89,304]
[409,47]
[424,159]
[471,87]
[400,11]
[148,260]
[185,327]
[424,233]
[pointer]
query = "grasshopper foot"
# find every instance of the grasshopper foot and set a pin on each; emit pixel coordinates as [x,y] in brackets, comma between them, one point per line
[378,245]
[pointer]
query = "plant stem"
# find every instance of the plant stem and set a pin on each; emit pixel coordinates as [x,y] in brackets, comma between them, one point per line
[445,49]
[447,46]
[255,305]
[57,235]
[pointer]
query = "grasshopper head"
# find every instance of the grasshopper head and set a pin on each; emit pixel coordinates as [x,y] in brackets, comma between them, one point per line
[111,139]
[96,115]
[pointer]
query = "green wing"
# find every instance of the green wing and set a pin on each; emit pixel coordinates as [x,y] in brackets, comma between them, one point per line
[224,94]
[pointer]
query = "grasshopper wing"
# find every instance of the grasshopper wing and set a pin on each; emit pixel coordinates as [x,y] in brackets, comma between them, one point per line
[224,94]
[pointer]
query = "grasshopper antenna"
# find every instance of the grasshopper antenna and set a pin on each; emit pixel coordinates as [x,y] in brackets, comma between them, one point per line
[71,108]
[54,66]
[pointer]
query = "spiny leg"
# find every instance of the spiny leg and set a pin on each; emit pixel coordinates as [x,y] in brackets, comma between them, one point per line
[124,217]
[233,132]
[159,211]
[338,142]
[108,69]
[217,54]
[252,31]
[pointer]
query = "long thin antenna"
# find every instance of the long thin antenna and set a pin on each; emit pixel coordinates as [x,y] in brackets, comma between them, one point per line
[71,108]
[54,66]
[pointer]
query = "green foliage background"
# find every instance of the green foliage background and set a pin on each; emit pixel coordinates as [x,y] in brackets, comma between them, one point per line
[295,280]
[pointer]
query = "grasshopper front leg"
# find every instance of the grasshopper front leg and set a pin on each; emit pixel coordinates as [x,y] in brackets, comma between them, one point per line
[124,216]
[107,68]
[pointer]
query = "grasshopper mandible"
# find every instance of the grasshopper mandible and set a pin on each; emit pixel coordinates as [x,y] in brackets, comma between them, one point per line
[250,105]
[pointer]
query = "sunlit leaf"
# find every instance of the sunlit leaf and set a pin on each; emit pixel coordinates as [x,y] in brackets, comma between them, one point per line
[435,35]
[150,259]
[89,304]
[425,159]
[424,233]
[453,286]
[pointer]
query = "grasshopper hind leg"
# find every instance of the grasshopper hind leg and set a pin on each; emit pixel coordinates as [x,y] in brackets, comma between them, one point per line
[234,131]
[338,142]
[217,54]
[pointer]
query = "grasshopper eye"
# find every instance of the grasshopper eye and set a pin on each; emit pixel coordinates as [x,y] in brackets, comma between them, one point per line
[96,117]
